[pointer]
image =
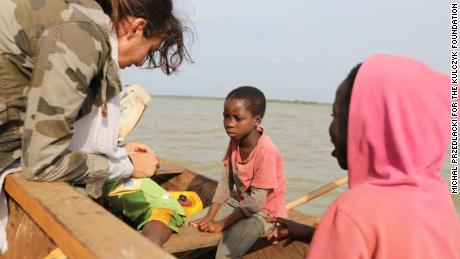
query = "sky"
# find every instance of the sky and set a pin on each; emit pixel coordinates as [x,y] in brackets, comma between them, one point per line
[296,49]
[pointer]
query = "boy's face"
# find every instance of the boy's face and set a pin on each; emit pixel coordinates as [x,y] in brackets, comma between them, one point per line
[339,124]
[238,120]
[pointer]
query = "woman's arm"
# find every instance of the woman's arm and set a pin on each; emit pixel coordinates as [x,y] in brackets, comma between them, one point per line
[120,167]
[69,57]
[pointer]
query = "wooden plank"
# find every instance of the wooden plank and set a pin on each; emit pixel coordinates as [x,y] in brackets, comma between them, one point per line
[169,169]
[79,226]
[191,238]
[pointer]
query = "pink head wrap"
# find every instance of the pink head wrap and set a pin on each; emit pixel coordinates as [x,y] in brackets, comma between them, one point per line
[398,123]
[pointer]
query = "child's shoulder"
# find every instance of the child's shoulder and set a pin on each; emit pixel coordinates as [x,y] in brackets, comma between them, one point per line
[266,144]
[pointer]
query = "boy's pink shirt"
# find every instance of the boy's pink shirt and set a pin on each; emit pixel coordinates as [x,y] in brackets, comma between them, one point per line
[262,169]
[398,205]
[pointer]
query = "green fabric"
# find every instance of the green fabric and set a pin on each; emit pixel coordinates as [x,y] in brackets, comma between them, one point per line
[137,206]
[175,220]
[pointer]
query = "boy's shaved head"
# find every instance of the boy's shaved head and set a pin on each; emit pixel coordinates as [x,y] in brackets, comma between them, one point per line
[254,98]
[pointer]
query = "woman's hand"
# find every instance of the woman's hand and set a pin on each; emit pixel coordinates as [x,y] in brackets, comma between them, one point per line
[145,161]
[290,230]
[137,147]
[145,164]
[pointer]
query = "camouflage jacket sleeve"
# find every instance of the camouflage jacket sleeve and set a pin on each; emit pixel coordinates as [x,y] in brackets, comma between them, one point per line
[69,57]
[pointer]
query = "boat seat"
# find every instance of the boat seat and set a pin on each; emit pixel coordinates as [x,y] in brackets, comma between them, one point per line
[190,238]
[169,169]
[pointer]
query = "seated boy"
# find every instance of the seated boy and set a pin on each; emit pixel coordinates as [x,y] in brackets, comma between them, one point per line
[252,187]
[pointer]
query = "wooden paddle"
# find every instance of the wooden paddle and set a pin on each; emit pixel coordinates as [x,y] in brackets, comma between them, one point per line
[317,192]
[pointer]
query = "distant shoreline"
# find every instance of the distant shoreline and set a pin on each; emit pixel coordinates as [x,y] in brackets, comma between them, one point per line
[221,98]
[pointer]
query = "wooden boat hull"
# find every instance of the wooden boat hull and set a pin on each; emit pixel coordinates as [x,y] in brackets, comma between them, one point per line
[44,216]
[25,238]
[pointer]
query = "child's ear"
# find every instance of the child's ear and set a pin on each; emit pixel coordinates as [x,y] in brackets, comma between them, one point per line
[258,120]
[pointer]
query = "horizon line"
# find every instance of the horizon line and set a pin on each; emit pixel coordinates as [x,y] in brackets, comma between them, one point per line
[222,98]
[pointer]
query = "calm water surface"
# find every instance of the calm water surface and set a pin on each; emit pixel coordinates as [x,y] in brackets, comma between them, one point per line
[189,131]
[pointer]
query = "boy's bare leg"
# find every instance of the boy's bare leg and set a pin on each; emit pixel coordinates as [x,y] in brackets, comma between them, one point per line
[157,232]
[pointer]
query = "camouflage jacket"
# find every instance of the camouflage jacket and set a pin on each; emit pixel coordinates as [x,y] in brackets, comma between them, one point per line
[55,67]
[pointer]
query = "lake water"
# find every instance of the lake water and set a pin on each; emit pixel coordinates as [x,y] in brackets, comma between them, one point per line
[189,131]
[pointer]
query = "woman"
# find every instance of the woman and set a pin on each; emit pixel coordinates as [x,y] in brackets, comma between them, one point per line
[390,130]
[58,65]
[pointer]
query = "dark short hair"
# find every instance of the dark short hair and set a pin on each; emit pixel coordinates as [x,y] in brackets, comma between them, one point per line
[255,99]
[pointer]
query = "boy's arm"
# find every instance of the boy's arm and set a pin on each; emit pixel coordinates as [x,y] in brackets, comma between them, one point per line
[231,219]
[206,219]
[220,196]
[222,191]
[213,210]
[220,225]
[254,202]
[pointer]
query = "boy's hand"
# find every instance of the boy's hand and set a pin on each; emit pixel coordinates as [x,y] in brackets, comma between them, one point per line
[196,223]
[289,229]
[212,226]
[209,217]
[206,224]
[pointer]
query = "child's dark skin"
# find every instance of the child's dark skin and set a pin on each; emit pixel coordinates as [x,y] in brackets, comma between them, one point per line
[338,131]
[157,232]
[240,124]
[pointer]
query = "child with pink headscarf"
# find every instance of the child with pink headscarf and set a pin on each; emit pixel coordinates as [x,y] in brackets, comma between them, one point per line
[390,131]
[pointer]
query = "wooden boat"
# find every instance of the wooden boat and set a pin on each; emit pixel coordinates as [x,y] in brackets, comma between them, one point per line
[44,216]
